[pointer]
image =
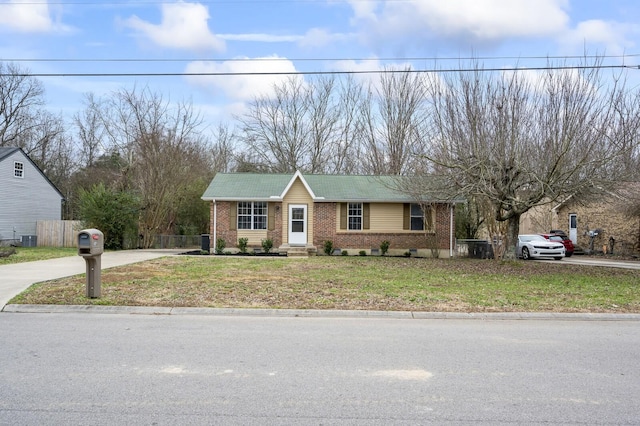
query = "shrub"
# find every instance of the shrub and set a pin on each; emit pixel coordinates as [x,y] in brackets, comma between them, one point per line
[221,244]
[384,247]
[363,253]
[267,245]
[328,247]
[113,212]
[345,253]
[242,244]
[407,254]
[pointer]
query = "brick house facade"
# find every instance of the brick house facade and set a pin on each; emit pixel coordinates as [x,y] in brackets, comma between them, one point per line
[355,213]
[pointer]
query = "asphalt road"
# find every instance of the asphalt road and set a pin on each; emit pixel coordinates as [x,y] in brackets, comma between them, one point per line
[99,369]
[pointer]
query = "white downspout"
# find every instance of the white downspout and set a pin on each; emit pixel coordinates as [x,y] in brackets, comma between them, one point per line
[451,231]
[215,225]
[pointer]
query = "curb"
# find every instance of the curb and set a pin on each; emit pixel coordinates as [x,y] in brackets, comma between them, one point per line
[311,313]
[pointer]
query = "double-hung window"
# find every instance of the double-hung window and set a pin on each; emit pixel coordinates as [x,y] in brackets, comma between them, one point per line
[18,169]
[252,215]
[354,216]
[417,217]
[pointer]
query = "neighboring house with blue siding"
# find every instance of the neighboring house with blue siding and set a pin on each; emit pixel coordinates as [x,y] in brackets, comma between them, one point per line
[26,196]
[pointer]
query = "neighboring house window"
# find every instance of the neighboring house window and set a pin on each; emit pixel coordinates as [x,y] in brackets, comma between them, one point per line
[354,216]
[252,215]
[18,169]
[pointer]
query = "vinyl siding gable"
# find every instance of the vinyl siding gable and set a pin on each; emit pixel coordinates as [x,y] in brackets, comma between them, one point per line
[24,201]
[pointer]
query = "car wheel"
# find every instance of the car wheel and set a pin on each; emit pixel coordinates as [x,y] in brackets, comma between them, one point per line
[558,258]
[525,253]
[568,254]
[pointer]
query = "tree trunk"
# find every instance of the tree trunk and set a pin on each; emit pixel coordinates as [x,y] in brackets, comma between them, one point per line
[513,229]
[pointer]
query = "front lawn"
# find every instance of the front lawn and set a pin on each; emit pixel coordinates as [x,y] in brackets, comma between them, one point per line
[30,254]
[362,283]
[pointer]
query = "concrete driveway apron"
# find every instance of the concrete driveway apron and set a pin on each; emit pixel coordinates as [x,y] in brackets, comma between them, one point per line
[15,278]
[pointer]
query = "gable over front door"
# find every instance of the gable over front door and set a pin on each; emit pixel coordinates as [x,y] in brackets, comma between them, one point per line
[297,224]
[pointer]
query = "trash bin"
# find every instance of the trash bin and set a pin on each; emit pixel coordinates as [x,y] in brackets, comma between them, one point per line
[205,243]
[480,249]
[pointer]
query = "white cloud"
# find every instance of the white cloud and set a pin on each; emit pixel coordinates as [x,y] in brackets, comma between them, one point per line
[611,35]
[320,37]
[486,21]
[262,38]
[183,26]
[366,70]
[29,17]
[243,78]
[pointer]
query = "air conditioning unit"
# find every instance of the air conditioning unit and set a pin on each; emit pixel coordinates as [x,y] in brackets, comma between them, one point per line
[29,241]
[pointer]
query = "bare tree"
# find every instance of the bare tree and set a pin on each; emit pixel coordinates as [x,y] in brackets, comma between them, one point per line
[274,129]
[161,150]
[21,97]
[90,130]
[304,126]
[392,118]
[517,144]
[223,150]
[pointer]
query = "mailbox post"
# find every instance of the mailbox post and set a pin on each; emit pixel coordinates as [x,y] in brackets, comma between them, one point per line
[91,247]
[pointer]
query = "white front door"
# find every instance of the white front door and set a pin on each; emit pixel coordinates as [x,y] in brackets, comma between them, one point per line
[297,224]
[573,228]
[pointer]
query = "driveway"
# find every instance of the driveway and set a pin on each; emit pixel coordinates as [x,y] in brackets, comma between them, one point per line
[595,261]
[16,278]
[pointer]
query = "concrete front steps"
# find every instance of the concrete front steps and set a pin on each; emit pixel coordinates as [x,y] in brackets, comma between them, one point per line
[296,251]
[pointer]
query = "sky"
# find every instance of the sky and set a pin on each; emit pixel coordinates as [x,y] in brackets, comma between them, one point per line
[57,40]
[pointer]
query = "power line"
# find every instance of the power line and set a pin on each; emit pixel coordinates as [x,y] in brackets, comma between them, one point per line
[161,2]
[281,59]
[283,73]
[435,58]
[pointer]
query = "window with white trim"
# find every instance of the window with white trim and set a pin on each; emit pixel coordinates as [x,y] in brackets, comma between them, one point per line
[252,215]
[354,216]
[18,169]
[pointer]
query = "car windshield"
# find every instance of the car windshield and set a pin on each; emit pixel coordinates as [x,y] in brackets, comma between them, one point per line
[527,238]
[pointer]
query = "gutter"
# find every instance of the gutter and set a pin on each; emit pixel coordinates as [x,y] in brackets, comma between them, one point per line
[215,225]
[451,231]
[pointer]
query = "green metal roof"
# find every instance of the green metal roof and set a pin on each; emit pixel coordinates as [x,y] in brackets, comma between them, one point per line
[260,187]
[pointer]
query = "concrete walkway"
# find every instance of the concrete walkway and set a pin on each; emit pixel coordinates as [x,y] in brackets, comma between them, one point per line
[16,278]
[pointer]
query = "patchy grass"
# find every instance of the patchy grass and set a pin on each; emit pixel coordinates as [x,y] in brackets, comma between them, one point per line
[361,283]
[30,254]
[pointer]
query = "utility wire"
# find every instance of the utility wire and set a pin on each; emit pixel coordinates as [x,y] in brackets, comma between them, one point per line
[276,59]
[160,2]
[275,73]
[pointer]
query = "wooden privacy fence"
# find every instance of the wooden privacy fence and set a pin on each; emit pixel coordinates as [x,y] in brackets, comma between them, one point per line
[57,233]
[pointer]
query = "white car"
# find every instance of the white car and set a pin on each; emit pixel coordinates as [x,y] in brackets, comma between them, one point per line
[536,246]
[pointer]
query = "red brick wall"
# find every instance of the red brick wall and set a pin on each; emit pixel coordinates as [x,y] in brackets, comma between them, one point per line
[231,236]
[325,225]
[325,230]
